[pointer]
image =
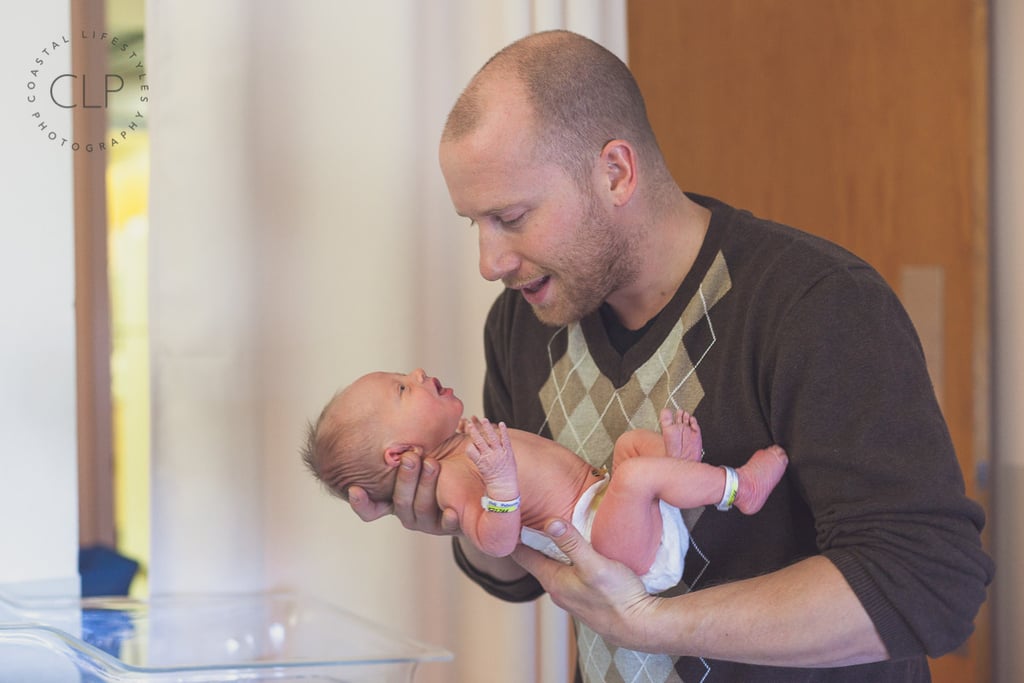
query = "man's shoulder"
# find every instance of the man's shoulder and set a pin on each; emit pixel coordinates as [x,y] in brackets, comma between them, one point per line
[764,252]
[741,230]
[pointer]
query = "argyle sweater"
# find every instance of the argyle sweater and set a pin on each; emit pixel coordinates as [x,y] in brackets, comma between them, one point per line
[775,336]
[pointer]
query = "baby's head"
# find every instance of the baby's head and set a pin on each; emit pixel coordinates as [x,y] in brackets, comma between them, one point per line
[341,448]
[364,430]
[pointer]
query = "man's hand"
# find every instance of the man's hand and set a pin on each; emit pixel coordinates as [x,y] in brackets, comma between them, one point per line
[604,594]
[414,500]
[804,615]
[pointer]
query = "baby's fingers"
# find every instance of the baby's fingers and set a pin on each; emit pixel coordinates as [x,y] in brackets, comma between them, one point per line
[479,442]
[506,442]
[483,433]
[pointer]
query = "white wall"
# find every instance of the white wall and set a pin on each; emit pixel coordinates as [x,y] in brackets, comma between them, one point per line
[38,465]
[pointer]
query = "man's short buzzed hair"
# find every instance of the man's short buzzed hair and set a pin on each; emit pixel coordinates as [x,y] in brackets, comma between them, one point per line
[581,94]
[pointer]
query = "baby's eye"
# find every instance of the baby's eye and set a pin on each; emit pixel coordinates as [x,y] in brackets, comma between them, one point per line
[401,387]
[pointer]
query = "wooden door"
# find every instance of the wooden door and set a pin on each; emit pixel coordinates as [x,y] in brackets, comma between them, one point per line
[864,121]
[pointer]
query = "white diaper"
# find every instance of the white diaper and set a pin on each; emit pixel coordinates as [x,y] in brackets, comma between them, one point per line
[667,569]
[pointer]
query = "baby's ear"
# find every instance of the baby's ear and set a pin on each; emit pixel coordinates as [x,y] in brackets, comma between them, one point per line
[393,453]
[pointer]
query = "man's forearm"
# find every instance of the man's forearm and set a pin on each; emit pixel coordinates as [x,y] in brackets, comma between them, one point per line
[805,615]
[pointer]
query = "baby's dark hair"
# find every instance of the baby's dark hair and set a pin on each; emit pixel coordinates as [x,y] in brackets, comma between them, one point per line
[340,452]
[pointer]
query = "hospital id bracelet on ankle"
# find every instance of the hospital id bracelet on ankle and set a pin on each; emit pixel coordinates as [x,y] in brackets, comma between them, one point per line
[732,485]
[491,505]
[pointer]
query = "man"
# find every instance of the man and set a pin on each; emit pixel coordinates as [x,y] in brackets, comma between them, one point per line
[625,295]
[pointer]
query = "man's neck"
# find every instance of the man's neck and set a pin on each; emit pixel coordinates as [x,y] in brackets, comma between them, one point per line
[622,339]
[668,251]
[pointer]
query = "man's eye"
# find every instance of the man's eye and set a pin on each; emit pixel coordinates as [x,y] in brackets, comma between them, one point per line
[401,388]
[512,222]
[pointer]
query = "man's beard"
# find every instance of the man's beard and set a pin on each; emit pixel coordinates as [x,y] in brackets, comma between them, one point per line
[602,260]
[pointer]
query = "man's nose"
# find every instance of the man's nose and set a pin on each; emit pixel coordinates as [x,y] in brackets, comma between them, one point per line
[497,260]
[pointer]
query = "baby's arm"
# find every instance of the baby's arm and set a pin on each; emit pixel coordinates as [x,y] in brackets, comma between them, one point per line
[494,524]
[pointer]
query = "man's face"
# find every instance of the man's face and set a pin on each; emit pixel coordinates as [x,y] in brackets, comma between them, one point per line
[540,232]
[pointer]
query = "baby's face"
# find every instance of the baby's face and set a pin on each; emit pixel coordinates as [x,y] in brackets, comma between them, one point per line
[414,408]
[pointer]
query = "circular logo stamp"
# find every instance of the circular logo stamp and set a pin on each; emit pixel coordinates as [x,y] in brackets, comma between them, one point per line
[115,93]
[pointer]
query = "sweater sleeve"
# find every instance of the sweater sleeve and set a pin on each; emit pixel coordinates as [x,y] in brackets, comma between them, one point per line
[851,400]
[523,590]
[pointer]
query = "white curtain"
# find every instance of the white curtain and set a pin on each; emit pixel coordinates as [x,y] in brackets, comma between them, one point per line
[301,235]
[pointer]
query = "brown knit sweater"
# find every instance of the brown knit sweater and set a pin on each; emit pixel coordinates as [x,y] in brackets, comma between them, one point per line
[775,336]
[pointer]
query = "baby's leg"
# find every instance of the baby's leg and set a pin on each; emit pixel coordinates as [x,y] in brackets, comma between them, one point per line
[627,524]
[758,478]
[638,482]
[681,435]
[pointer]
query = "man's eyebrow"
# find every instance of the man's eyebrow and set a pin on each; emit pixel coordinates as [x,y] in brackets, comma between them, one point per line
[502,209]
[496,211]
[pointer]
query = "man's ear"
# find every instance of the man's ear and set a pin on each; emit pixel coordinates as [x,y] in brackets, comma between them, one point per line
[393,453]
[618,165]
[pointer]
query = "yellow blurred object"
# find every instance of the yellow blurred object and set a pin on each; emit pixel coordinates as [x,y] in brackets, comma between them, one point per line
[128,256]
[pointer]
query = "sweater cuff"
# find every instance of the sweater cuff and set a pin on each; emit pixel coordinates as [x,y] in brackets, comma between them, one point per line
[520,590]
[896,634]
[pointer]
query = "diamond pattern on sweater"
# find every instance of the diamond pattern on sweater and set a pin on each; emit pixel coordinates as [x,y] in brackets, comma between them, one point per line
[586,414]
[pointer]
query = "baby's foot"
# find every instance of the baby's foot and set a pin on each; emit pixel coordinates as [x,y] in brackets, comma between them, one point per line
[759,477]
[681,435]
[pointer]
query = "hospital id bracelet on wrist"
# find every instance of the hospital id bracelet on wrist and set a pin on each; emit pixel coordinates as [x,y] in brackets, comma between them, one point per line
[491,505]
[732,485]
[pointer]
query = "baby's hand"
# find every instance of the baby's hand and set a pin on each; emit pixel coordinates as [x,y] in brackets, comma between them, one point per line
[491,452]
